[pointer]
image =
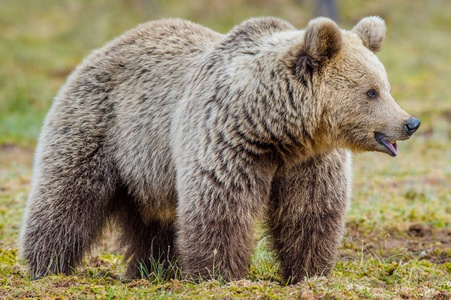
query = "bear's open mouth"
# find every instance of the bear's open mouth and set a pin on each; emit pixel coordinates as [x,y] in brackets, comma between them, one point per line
[390,145]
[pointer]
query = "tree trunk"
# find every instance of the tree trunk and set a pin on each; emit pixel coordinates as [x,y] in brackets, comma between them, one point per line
[326,8]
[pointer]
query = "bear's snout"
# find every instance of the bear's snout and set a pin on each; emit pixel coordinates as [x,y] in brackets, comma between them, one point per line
[411,125]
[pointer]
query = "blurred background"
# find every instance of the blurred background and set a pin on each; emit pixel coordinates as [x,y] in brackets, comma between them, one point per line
[42,41]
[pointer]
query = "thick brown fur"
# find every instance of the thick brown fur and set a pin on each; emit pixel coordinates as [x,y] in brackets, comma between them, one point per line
[185,137]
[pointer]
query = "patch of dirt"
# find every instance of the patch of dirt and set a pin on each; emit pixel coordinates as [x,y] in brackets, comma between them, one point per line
[306,294]
[447,115]
[419,231]
[66,282]
[442,295]
[417,241]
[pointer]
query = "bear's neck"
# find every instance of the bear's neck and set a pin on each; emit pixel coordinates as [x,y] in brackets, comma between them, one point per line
[259,104]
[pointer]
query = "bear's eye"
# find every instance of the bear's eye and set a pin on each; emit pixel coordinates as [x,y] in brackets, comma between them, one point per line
[372,93]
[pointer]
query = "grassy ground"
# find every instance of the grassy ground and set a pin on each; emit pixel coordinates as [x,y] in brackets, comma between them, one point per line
[398,240]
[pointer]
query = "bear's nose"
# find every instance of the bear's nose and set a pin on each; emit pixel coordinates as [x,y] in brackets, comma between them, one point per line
[411,125]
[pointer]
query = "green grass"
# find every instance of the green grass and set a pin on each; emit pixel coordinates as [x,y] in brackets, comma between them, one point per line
[398,240]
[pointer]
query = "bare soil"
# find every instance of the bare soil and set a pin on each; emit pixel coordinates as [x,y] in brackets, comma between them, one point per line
[417,241]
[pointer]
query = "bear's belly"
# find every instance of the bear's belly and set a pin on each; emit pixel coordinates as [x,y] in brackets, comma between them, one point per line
[150,183]
[156,197]
[160,211]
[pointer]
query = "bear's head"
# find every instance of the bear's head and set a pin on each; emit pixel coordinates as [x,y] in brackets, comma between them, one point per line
[350,84]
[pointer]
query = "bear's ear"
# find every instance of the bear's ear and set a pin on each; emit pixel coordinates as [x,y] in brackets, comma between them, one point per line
[322,39]
[371,31]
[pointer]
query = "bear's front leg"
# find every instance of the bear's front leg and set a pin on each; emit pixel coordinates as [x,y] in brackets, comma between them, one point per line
[308,203]
[218,203]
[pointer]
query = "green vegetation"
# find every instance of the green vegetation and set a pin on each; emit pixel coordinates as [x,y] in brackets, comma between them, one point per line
[398,240]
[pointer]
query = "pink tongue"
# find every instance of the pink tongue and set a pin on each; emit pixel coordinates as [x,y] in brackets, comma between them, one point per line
[392,147]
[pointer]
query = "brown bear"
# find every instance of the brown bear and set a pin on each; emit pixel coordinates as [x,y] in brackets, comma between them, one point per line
[185,137]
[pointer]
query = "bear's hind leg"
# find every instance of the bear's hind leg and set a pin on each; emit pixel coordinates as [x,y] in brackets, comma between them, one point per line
[150,245]
[66,211]
[306,219]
